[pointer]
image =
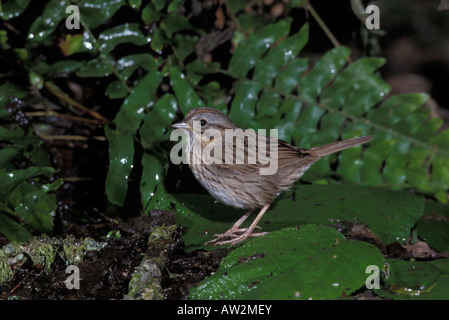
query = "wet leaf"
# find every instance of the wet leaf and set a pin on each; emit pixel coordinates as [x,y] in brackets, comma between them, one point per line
[95,68]
[244,103]
[156,122]
[312,84]
[153,173]
[74,44]
[188,99]
[389,214]
[26,204]
[128,64]
[65,66]
[9,89]
[36,205]
[121,155]
[96,12]
[135,4]
[150,14]
[13,230]
[128,33]
[12,8]
[45,24]
[174,5]
[416,280]
[12,179]
[267,68]
[250,50]
[313,262]
[143,96]
[434,225]
[174,23]
[36,80]
[116,90]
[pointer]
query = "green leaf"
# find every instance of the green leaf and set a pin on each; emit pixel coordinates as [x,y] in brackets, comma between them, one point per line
[7,154]
[152,174]
[250,50]
[312,84]
[188,99]
[12,8]
[244,103]
[150,14]
[45,24]
[142,97]
[121,155]
[64,66]
[96,12]
[128,64]
[313,262]
[175,5]
[9,89]
[135,4]
[13,230]
[25,202]
[268,68]
[12,179]
[95,68]
[156,121]
[417,280]
[433,226]
[36,205]
[74,44]
[36,80]
[116,90]
[185,44]
[160,4]
[125,33]
[174,23]
[236,5]
[388,214]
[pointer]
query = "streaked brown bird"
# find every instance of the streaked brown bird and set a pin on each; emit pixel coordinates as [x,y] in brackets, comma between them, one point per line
[241,184]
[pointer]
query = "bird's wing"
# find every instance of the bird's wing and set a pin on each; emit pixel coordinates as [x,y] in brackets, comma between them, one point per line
[254,159]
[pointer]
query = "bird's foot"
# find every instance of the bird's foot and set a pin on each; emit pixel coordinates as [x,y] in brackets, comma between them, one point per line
[234,236]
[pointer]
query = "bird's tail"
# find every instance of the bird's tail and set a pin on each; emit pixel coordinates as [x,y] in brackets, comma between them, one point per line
[322,151]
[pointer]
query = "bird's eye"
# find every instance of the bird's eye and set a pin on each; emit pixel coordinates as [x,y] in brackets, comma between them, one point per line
[203,122]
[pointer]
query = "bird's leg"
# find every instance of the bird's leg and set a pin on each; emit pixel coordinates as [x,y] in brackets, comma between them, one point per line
[238,235]
[235,230]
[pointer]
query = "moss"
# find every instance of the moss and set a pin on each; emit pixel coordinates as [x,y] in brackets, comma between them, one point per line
[146,280]
[74,250]
[11,257]
[42,251]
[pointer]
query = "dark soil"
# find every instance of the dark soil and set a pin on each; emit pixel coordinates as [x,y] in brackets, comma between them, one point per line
[106,274]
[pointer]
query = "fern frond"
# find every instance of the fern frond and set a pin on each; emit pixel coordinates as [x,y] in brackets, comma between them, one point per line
[334,99]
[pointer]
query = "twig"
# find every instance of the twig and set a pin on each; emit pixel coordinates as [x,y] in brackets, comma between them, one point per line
[63,96]
[76,179]
[59,115]
[72,137]
[19,284]
[323,26]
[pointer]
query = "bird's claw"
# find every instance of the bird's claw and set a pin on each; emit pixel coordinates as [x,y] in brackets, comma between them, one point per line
[236,236]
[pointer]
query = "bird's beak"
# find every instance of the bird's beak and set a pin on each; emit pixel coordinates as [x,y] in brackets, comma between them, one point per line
[181,125]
